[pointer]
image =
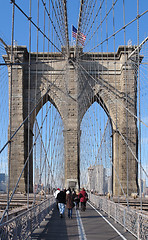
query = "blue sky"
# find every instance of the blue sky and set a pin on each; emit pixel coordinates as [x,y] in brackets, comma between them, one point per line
[6,16]
[22,25]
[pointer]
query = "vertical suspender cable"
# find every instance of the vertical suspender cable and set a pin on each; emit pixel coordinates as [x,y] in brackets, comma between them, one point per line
[41,146]
[10,111]
[139,105]
[96,105]
[53,115]
[51,106]
[49,172]
[46,183]
[126,86]
[29,76]
[46,96]
[36,80]
[101,119]
[113,3]
[110,146]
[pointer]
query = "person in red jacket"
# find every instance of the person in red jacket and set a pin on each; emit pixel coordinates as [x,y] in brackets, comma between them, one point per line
[83,199]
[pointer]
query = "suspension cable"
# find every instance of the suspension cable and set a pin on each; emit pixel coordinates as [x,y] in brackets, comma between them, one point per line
[36,27]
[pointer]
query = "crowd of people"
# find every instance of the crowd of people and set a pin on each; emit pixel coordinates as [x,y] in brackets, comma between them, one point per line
[69,199]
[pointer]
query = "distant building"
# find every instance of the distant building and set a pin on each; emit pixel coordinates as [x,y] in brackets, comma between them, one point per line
[98,180]
[109,184]
[2,177]
[142,186]
[36,175]
[146,191]
[91,178]
[3,183]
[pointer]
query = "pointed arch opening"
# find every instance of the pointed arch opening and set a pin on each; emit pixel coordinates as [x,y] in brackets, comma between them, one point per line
[48,153]
[96,150]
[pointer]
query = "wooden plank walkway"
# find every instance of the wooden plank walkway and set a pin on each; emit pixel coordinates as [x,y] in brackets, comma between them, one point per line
[88,225]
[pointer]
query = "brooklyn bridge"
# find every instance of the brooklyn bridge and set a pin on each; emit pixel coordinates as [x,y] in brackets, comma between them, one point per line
[74,115]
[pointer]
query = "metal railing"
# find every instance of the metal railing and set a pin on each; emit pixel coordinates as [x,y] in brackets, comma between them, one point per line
[133,221]
[24,224]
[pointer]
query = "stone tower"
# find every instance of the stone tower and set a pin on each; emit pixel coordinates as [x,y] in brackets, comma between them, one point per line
[73,86]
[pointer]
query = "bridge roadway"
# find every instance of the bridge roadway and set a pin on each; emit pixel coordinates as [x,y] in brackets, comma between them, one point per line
[89,225]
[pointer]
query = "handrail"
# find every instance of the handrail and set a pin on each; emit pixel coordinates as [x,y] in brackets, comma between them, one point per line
[133,221]
[25,223]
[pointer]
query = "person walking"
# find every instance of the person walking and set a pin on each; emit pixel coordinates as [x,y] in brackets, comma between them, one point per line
[61,201]
[76,199]
[83,196]
[55,195]
[69,203]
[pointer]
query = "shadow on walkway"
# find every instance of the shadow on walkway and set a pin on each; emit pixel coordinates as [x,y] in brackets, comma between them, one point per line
[95,227]
[56,228]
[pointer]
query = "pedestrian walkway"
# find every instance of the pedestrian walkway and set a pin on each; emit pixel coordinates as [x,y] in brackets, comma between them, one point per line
[88,225]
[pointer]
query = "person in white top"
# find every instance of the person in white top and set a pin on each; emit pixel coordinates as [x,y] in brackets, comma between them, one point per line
[55,195]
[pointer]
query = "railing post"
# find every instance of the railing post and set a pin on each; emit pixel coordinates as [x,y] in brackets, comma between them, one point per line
[15,231]
[124,221]
[17,226]
[98,202]
[115,213]
[138,227]
[31,219]
[109,208]
[49,205]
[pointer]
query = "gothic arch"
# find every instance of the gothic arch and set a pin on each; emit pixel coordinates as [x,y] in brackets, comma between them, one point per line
[68,90]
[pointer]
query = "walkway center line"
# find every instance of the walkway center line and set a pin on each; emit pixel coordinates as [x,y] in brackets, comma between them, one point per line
[108,222]
[82,235]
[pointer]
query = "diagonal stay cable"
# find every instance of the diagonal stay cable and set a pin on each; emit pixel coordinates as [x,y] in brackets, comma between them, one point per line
[31,149]
[94,20]
[115,33]
[90,102]
[61,18]
[13,1]
[46,152]
[101,22]
[139,47]
[113,95]
[28,115]
[87,6]
[87,20]
[117,175]
[44,4]
[125,141]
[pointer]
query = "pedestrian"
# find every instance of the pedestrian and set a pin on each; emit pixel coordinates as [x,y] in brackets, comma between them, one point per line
[76,199]
[61,201]
[73,194]
[69,203]
[83,196]
[55,195]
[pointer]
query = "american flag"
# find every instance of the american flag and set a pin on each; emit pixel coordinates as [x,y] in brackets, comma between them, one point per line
[81,37]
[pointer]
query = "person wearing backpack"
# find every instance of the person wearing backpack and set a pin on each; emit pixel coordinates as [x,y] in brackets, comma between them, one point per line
[83,196]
